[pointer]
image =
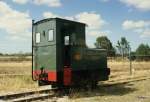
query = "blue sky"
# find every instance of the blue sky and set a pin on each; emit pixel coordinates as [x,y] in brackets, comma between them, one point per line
[113,18]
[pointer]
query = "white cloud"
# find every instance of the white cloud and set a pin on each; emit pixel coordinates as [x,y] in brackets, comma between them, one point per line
[139,4]
[50,3]
[129,24]
[69,17]
[21,1]
[97,33]
[52,15]
[141,27]
[145,33]
[49,15]
[16,24]
[93,20]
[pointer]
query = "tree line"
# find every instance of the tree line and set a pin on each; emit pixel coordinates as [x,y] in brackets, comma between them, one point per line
[16,54]
[122,48]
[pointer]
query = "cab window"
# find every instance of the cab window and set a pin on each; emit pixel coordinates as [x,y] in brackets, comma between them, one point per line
[66,40]
[38,38]
[50,35]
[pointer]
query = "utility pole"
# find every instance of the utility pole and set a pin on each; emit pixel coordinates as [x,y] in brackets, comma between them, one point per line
[130,60]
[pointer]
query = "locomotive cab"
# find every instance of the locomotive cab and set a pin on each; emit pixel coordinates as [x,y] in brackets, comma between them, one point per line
[60,55]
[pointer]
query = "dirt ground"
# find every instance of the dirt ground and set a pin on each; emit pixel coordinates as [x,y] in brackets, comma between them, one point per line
[131,92]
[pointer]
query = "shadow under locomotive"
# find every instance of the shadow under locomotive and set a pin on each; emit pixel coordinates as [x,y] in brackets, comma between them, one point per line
[116,90]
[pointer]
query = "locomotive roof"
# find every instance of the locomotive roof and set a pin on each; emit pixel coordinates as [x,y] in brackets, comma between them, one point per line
[65,20]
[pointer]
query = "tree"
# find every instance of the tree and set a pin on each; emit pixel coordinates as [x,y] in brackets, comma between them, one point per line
[123,47]
[119,47]
[1,54]
[104,43]
[143,49]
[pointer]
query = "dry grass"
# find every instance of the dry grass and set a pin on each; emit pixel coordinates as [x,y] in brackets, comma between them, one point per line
[131,92]
[122,69]
[16,83]
[15,68]
[16,76]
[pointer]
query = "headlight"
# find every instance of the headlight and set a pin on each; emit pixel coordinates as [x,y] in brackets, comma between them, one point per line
[77,56]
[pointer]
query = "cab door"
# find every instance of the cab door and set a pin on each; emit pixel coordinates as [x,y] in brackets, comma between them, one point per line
[66,33]
[67,51]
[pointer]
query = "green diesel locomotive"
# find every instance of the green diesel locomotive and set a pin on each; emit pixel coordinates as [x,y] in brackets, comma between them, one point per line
[61,57]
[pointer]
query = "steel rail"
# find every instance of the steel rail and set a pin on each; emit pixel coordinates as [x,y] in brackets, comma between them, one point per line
[123,81]
[31,95]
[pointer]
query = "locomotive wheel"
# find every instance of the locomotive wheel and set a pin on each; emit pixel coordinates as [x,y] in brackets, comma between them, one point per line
[94,85]
[42,82]
[89,85]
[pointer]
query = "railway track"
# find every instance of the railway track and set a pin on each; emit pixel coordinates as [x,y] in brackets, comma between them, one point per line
[124,81]
[29,96]
[51,93]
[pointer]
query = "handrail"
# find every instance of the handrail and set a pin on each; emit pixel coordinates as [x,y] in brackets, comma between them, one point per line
[32,51]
